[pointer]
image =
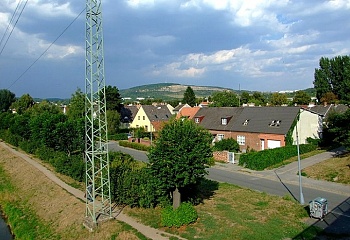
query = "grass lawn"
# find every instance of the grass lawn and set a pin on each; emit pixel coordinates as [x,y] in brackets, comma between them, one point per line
[335,169]
[232,212]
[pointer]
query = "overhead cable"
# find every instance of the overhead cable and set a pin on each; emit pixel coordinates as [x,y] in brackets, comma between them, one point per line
[20,7]
[36,60]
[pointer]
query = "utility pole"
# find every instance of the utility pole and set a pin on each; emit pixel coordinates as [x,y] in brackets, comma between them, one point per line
[98,191]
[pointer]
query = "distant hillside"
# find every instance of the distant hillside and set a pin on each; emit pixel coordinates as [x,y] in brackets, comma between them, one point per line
[167,91]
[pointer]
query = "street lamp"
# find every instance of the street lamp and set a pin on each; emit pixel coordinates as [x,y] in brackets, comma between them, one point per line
[299,168]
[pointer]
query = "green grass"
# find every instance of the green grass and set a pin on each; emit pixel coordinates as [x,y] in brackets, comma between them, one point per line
[232,212]
[22,220]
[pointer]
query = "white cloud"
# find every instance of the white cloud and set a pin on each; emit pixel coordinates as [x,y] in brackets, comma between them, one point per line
[47,8]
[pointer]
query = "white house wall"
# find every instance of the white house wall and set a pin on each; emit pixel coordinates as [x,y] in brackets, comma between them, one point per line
[308,126]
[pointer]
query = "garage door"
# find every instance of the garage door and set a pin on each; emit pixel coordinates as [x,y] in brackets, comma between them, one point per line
[273,144]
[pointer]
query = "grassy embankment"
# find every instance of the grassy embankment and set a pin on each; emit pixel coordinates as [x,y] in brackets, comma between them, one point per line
[37,208]
[335,169]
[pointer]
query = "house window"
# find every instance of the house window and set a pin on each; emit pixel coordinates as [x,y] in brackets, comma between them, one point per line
[143,117]
[223,121]
[220,137]
[241,140]
[146,128]
[196,120]
[138,118]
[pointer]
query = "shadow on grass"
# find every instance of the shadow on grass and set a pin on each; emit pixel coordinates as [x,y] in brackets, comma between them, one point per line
[335,225]
[196,194]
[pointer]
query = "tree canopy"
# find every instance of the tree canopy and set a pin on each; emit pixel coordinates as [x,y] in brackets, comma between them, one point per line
[301,98]
[278,99]
[23,103]
[6,99]
[224,99]
[180,155]
[333,75]
[113,99]
[189,97]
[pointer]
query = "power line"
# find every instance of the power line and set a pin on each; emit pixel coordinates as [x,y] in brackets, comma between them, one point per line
[47,49]
[12,19]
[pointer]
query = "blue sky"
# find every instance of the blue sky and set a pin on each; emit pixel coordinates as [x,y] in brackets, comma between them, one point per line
[260,45]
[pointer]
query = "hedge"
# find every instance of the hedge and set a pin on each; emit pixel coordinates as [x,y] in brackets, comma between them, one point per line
[269,157]
[134,145]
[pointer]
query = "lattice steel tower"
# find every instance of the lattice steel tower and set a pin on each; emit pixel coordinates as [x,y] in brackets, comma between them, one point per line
[98,193]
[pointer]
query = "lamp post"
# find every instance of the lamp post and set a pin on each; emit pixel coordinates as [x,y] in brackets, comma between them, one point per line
[299,168]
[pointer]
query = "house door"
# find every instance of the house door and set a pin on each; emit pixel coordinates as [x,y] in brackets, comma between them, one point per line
[262,144]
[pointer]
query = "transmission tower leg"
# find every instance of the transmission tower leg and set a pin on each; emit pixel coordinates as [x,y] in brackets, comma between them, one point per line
[98,191]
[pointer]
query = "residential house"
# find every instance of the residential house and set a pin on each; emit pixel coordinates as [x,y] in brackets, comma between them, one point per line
[258,128]
[178,108]
[128,113]
[323,111]
[151,117]
[187,112]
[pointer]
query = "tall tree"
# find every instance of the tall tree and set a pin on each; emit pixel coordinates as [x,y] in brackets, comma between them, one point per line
[189,97]
[224,99]
[6,99]
[113,99]
[180,155]
[259,99]
[333,75]
[301,98]
[23,103]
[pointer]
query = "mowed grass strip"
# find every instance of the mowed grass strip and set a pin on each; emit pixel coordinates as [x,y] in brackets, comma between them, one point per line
[237,213]
[335,169]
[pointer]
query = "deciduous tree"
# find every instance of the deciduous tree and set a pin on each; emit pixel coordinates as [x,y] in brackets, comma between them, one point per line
[23,103]
[301,98]
[224,99]
[180,155]
[333,75]
[278,99]
[113,99]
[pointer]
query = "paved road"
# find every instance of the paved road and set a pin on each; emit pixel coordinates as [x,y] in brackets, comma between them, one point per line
[281,182]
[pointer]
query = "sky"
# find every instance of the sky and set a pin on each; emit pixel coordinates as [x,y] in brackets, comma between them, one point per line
[255,45]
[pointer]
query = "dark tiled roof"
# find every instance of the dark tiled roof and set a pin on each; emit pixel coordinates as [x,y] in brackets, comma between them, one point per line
[325,110]
[128,113]
[260,118]
[213,115]
[157,113]
[178,107]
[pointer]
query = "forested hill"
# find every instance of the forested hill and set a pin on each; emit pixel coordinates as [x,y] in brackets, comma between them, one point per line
[167,91]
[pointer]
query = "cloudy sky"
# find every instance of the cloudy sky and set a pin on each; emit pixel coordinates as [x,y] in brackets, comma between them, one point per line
[261,45]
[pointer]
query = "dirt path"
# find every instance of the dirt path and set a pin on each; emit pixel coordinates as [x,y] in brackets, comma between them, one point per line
[34,177]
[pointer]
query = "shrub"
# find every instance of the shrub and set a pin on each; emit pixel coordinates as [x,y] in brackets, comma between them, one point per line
[119,136]
[183,215]
[134,145]
[266,158]
[229,144]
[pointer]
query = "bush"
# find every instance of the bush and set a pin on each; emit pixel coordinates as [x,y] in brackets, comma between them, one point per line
[183,215]
[266,158]
[134,145]
[118,136]
[229,144]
